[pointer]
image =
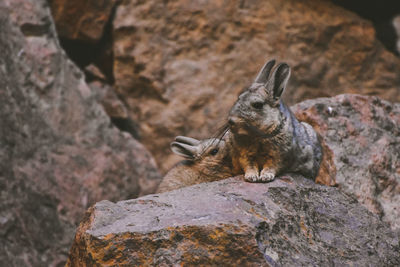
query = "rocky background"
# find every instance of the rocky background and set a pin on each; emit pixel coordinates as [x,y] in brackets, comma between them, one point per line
[92,93]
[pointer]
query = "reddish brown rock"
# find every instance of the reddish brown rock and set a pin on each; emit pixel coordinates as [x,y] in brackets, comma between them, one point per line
[59,152]
[364,136]
[288,222]
[327,170]
[81,20]
[179,65]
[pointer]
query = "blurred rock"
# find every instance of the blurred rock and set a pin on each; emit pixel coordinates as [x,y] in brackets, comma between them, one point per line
[180,65]
[93,73]
[288,222]
[396,25]
[81,20]
[364,136]
[380,15]
[105,93]
[113,106]
[59,152]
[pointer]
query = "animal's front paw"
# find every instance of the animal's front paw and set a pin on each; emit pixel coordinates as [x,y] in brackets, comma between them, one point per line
[267,176]
[251,177]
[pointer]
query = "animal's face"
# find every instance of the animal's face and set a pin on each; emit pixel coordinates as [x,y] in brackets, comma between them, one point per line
[214,152]
[254,111]
[211,157]
[257,109]
[193,149]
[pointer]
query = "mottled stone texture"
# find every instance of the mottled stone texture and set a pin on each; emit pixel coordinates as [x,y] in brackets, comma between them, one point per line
[289,222]
[82,20]
[59,153]
[180,64]
[364,136]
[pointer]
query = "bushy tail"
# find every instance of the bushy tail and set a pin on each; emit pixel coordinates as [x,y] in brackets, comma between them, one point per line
[327,170]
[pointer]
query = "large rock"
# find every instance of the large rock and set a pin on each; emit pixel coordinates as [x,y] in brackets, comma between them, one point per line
[289,222]
[81,20]
[180,65]
[364,135]
[59,153]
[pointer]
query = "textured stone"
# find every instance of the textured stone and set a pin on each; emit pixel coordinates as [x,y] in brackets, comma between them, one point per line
[364,136]
[179,65]
[81,20]
[59,152]
[114,107]
[288,222]
[112,104]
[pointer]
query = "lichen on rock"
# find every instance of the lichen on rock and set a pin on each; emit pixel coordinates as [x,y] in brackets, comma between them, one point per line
[291,221]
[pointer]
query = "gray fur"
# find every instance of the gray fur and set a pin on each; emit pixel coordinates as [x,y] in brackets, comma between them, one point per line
[263,75]
[187,140]
[264,127]
[185,150]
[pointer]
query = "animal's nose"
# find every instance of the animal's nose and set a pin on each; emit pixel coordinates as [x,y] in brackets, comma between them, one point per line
[231,121]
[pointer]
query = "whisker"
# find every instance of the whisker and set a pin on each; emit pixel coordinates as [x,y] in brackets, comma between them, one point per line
[217,137]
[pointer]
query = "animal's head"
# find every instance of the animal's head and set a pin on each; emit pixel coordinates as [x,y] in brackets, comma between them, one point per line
[211,157]
[257,109]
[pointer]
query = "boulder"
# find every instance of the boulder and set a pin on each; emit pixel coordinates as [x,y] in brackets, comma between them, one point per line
[363,134]
[59,152]
[179,65]
[289,222]
[81,20]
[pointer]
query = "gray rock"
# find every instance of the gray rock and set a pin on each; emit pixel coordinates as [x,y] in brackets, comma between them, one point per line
[59,153]
[364,135]
[290,222]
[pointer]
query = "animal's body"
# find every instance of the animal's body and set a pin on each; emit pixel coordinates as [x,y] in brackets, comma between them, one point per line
[266,137]
[205,161]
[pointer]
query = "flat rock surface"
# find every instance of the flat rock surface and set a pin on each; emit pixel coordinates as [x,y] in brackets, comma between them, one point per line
[291,222]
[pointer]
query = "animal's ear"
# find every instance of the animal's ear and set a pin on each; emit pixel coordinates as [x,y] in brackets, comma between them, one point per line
[184,150]
[279,80]
[263,75]
[187,140]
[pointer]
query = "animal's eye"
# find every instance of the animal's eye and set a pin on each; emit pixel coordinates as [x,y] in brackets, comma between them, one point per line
[257,105]
[214,152]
